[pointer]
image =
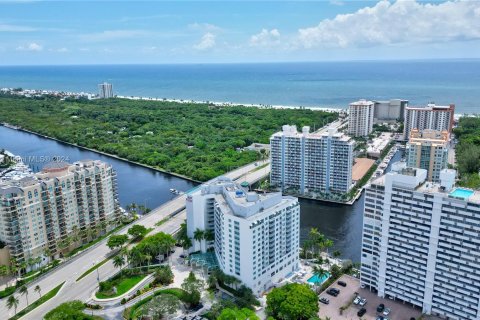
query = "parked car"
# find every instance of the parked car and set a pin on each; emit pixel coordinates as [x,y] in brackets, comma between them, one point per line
[363,302]
[324,300]
[342,283]
[386,312]
[333,292]
[357,300]
[380,307]
[361,312]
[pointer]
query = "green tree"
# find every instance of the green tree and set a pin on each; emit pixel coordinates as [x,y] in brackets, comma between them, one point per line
[137,231]
[158,307]
[237,314]
[24,292]
[164,275]
[192,287]
[118,261]
[38,290]
[117,241]
[12,302]
[198,235]
[292,301]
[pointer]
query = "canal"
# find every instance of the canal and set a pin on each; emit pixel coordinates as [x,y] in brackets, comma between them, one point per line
[341,223]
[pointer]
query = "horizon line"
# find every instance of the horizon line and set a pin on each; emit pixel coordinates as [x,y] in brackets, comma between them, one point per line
[241,62]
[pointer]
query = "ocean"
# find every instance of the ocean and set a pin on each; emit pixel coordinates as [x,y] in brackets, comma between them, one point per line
[319,84]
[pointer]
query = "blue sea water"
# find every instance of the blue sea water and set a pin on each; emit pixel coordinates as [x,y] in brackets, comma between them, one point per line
[321,84]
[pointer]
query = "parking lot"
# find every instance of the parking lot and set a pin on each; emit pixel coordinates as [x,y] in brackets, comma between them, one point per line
[398,311]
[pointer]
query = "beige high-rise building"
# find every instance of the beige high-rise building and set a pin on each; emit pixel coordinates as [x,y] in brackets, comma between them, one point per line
[51,212]
[360,118]
[428,149]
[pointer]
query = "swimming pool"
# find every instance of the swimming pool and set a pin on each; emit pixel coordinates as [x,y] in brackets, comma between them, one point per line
[461,193]
[315,279]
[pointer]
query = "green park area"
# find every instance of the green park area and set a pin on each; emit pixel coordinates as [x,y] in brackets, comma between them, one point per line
[200,141]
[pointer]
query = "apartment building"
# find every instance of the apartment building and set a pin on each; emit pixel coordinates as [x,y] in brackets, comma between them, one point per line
[105,90]
[390,110]
[256,235]
[428,150]
[311,162]
[433,117]
[421,242]
[41,210]
[360,118]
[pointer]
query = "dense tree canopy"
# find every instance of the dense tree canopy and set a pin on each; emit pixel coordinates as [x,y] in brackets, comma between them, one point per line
[196,140]
[468,151]
[71,310]
[237,314]
[292,302]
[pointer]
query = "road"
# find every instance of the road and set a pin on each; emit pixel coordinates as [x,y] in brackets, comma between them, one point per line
[71,270]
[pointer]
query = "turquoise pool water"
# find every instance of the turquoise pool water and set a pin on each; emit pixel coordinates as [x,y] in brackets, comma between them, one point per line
[315,279]
[461,193]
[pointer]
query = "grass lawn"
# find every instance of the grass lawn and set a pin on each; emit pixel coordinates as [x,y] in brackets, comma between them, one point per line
[122,283]
[50,294]
[129,313]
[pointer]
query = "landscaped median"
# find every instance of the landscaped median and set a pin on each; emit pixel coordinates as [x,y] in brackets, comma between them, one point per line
[120,286]
[52,293]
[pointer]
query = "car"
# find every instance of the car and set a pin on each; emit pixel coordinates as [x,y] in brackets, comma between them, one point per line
[324,300]
[361,312]
[380,307]
[363,302]
[336,290]
[387,311]
[332,292]
[357,300]
[342,283]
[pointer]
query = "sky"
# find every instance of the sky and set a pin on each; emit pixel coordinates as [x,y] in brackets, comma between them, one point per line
[135,32]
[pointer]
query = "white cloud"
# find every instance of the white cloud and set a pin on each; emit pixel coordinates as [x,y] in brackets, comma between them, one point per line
[60,50]
[396,23]
[204,27]
[337,2]
[265,38]
[109,35]
[207,42]
[30,47]
[15,28]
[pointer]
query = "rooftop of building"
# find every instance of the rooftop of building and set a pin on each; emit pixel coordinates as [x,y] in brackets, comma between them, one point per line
[236,200]
[415,179]
[429,135]
[361,102]
[291,131]
[432,107]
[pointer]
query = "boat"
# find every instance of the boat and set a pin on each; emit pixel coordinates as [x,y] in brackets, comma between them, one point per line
[173,190]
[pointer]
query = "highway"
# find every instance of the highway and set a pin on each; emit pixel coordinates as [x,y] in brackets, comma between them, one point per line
[71,270]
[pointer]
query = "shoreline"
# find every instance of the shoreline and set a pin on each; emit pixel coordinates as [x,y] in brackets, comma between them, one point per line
[12,127]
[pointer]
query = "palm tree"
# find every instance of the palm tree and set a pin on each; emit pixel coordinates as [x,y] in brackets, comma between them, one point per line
[198,235]
[148,258]
[12,302]
[24,292]
[38,290]
[47,253]
[320,273]
[209,235]
[118,261]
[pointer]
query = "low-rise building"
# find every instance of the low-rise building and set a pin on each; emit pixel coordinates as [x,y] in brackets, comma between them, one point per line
[256,236]
[421,242]
[42,212]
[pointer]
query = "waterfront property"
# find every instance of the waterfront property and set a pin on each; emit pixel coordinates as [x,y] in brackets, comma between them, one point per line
[311,162]
[360,118]
[421,242]
[432,117]
[44,215]
[105,90]
[255,237]
[428,150]
[392,110]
